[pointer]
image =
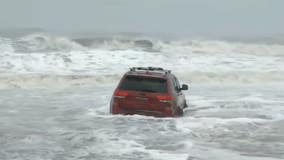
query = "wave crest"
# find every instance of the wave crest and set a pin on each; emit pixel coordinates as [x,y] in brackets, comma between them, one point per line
[45,43]
[42,42]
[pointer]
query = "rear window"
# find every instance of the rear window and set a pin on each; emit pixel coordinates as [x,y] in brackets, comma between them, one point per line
[144,84]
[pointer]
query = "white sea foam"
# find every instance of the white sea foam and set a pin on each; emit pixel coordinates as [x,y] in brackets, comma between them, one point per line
[193,61]
[237,122]
[5,46]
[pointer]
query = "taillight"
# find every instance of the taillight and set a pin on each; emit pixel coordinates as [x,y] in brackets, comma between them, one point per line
[165,98]
[120,94]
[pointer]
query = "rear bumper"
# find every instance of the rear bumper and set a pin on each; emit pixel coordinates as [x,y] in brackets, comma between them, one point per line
[116,109]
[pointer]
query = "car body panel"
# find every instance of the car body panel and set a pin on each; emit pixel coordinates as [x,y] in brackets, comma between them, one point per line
[130,98]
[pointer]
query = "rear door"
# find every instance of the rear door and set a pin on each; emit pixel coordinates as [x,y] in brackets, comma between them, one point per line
[143,92]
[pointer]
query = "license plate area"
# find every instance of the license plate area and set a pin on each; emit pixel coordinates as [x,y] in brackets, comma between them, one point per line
[142,98]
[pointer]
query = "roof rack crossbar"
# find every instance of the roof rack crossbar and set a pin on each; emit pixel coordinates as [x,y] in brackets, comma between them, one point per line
[150,69]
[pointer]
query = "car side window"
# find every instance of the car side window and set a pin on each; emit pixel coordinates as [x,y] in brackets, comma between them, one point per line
[176,84]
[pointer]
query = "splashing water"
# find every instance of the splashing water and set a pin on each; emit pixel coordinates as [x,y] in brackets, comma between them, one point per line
[55,92]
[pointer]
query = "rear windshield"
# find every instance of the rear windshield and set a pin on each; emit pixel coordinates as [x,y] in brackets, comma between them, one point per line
[144,84]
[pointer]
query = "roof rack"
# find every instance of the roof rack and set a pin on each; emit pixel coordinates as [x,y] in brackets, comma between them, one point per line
[150,69]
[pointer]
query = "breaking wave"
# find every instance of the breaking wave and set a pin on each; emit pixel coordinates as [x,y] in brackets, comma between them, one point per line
[42,42]
[41,60]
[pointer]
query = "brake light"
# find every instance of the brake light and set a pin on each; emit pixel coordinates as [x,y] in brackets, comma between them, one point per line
[165,98]
[120,94]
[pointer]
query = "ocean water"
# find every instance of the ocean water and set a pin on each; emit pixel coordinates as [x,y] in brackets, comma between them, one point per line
[55,93]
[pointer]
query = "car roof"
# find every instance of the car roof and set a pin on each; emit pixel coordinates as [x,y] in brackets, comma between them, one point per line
[149,72]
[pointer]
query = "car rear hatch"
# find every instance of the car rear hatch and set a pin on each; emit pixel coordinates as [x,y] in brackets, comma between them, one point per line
[143,95]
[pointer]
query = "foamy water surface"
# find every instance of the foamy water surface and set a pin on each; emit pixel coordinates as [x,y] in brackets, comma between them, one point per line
[55,93]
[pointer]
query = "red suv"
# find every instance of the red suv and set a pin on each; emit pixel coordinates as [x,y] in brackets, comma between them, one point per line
[149,91]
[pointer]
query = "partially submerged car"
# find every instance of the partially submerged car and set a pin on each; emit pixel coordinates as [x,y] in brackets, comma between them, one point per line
[149,91]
